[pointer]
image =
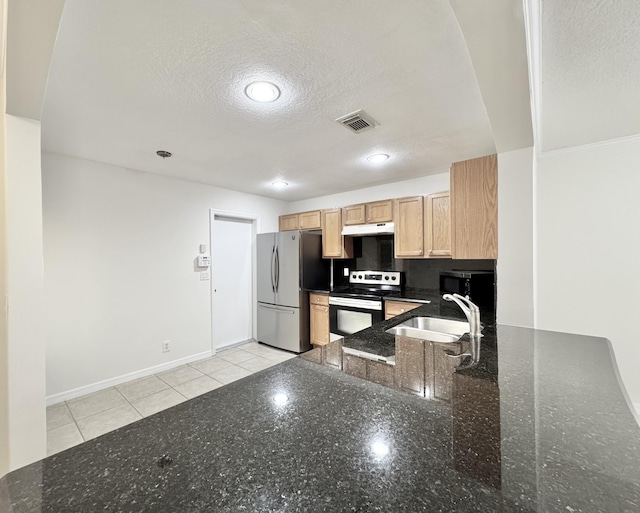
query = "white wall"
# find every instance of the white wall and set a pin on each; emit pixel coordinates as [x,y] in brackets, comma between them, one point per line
[515,238]
[119,268]
[423,185]
[26,348]
[4,335]
[589,248]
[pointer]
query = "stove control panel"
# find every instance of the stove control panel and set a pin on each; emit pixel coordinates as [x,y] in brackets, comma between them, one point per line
[375,277]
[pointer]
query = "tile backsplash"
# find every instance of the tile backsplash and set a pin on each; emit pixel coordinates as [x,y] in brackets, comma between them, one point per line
[375,253]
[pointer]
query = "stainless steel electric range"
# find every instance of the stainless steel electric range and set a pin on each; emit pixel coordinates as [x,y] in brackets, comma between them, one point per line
[360,304]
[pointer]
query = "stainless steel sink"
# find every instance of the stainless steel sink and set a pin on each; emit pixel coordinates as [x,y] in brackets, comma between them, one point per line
[431,328]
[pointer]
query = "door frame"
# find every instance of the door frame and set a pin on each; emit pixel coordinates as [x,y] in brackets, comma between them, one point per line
[255,229]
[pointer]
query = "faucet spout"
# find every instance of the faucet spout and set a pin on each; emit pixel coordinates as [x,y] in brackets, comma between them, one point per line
[471,311]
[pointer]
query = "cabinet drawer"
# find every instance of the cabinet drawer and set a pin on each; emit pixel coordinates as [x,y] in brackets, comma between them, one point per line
[319,299]
[393,308]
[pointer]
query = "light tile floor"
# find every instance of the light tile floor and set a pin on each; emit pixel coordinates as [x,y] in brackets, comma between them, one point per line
[78,420]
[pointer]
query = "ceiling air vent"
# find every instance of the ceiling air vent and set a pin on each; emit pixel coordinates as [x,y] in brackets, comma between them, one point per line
[358,121]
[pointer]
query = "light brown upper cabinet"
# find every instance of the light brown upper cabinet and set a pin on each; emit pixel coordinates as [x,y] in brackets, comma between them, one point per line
[334,244]
[409,227]
[353,214]
[303,221]
[379,211]
[310,220]
[474,208]
[288,222]
[437,225]
[368,213]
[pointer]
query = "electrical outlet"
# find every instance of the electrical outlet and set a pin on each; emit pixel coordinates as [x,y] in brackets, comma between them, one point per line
[345,271]
[166,346]
[204,275]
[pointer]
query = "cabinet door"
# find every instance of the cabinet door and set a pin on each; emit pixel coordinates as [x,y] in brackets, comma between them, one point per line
[437,225]
[474,208]
[353,214]
[409,227]
[319,324]
[410,365]
[393,308]
[380,211]
[288,222]
[319,318]
[334,245]
[310,220]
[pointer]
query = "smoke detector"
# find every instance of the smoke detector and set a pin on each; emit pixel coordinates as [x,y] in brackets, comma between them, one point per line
[358,121]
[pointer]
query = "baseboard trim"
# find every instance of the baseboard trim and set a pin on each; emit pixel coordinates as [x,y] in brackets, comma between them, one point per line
[118,380]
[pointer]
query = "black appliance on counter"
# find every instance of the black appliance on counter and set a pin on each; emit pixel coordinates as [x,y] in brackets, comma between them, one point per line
[359,305]
[478,285]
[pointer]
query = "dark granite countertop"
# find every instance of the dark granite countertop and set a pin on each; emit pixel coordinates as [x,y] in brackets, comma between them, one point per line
[377,341]
[552,433]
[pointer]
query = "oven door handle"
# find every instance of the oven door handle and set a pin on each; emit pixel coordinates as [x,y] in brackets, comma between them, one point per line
[364,304]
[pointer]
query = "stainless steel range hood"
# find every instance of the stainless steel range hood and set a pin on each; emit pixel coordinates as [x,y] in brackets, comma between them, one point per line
[368,229]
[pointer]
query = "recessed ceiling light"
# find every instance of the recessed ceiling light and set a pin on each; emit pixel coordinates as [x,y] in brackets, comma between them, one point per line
[377,158]
[263,92]
[279,184]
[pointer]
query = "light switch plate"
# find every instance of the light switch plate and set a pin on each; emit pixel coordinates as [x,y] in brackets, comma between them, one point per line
[204,275]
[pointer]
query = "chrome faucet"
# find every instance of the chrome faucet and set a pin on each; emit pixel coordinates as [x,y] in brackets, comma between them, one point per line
[472,312]
[470,309]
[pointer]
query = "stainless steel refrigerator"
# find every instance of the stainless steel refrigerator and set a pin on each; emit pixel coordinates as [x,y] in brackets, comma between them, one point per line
[289,264]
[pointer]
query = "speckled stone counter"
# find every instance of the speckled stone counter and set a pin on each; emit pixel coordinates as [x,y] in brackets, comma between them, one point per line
[299,437]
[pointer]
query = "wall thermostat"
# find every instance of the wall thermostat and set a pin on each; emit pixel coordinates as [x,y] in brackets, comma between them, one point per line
[204,261]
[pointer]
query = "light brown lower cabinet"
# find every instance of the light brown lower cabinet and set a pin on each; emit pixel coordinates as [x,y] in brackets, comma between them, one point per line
[319,319]
[393,308]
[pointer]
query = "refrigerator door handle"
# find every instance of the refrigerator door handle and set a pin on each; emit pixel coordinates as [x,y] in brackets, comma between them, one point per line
[273,283]
[277,269]
[278,309]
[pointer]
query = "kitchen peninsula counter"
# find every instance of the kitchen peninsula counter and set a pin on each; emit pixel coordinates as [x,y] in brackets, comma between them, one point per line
[559,437]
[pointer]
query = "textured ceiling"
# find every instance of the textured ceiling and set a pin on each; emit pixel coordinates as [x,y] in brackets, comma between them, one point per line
[129,78]
[590,71]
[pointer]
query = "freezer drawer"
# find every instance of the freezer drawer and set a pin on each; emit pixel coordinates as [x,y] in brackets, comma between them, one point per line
[279,326]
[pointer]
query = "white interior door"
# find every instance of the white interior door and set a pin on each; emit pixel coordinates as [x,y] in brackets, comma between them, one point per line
[232,285]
